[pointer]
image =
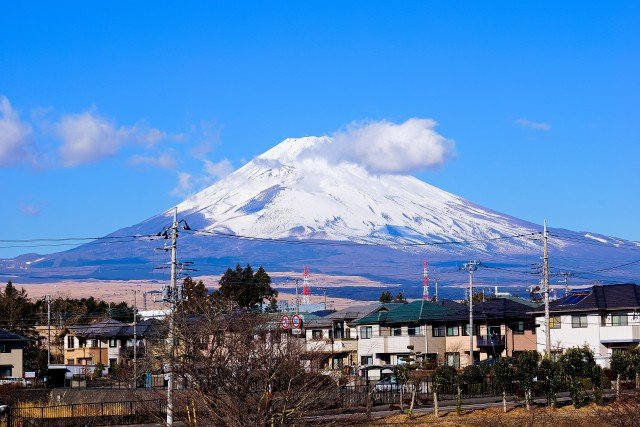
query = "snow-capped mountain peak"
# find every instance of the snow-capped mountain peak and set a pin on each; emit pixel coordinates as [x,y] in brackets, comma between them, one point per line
[298,189]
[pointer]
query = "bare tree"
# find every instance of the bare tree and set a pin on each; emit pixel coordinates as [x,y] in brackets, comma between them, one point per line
[242,370]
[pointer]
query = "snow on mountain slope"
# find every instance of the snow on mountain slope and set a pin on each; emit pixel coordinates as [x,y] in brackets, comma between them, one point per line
[292,191]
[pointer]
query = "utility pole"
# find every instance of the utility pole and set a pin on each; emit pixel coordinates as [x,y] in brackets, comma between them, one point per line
[471,266]
[545,283]
[48,331]
[172,308]
[565,279]
[135,339]
[297,299]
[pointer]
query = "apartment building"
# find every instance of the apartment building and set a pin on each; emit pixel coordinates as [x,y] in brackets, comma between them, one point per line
[336,336]
[392,332]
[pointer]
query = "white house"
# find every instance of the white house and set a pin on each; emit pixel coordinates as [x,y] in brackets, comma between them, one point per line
[604,317]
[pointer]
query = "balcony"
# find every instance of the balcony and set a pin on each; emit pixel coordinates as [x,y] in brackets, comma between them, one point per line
[625,334]
[490,340]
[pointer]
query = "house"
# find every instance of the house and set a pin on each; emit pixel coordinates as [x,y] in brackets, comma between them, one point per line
[335,336]
[46,331]
[108,342]
[606,318]
[502,327]
[393,332]
[11,354]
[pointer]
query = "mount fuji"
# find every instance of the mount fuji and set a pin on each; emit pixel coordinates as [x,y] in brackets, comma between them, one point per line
[299,204]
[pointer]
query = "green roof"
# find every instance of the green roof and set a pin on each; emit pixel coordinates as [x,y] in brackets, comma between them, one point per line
[414,312]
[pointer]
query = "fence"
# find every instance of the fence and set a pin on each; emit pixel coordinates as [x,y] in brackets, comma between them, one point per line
[352,396]
[83,414]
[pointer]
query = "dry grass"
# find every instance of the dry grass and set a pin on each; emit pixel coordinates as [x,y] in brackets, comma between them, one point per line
[537,417]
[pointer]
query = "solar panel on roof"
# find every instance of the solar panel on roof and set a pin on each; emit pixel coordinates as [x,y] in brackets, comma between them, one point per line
[574,299]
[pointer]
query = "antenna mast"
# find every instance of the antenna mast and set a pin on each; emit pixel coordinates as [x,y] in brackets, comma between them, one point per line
[425,280]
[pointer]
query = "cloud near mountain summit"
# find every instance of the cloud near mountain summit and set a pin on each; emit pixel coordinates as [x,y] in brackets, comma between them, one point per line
[384,147]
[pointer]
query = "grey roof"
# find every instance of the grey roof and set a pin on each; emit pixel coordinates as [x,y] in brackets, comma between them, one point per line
[10,336]
[598,298]
[111,328]
[348,314]
[502,308]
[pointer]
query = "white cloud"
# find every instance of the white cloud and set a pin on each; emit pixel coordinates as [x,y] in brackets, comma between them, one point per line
[86,138]
[219,169]
[528,124]
[386,147]
[163,161]
[14,136]
[185,185]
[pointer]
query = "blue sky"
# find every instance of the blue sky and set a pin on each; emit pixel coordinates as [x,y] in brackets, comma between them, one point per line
[541,100]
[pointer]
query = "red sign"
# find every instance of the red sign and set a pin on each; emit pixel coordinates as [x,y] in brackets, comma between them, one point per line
[296,321]
[284,322]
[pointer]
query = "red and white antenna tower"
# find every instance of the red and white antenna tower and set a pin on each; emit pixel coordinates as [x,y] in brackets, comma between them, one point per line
[425,280]
[306,291]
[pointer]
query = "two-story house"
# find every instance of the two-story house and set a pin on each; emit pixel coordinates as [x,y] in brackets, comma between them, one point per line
[393,332]
[604,317]
[502,327]
[11,354]
[108,342]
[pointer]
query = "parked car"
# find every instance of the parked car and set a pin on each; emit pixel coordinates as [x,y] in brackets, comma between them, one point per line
[388,384]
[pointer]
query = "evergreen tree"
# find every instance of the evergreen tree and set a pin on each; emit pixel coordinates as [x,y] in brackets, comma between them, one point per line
[400,298]
[242,288]
[526,368]
[197,298]
[386,297]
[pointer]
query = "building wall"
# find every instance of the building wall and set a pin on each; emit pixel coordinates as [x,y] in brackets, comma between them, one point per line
[88,354]
[568,336]
[14,358]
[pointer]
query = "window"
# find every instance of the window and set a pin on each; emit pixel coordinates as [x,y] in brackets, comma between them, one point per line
[619,320]
[476,329]
[5,371]
[94,343]
[397,332]
[113,343]
[69,361]
[453,359]
[385,331]
[579,321]
[554,322]
[518,328]
[453,331]
[366,332]
[113,363]
[5,347]
[412,330]
[71,342]
[438,331]
[603,320]
[82,342]
[316,334]
[366,360]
